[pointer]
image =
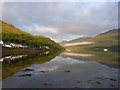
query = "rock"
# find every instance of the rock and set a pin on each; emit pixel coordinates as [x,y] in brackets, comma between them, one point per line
[67,71]
[47,84]
[78,82]
[25,75]
[112,85]
[113,79]
[89,81]
[28,69]
[43,71]
[98,83]
[77,87]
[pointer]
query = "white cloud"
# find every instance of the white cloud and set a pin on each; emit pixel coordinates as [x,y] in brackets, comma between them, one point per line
[46,30]
[62,20]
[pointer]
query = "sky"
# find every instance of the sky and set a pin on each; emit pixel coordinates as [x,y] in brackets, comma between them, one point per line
[62,20]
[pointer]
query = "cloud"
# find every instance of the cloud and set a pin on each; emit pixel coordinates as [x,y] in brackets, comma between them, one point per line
[63,20]
[46,31]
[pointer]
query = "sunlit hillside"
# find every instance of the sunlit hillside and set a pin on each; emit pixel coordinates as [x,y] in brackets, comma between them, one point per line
[108,40]
[14,35]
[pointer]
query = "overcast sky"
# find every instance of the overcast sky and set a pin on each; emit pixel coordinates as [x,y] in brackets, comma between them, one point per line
[62,21]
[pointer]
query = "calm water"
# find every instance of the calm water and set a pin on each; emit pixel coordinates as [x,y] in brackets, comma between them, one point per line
[67,70]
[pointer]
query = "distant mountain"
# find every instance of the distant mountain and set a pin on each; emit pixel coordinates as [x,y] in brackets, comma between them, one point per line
[79,39]
[107,40]
[75,40]
[114,31]
[14,35]
[63,42]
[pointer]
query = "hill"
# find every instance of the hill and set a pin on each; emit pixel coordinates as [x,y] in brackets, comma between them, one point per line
[75,40]
[79,39]
[63,42]
[14,35]
[107,40]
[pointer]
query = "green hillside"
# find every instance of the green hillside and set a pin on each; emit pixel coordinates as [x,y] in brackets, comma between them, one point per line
[13,34]
[79,39]
[107,40]
[75,40]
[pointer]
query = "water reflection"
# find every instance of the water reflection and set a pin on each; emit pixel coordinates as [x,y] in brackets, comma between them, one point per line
[47,52]
[14,63]
[13,57]
[77,54]
[63,72]
[106,58]
[68,70]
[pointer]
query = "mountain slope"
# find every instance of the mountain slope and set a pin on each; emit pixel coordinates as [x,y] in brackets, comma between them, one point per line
[74,40]
[107,40]
[63,42]
[13,34]
[79,39]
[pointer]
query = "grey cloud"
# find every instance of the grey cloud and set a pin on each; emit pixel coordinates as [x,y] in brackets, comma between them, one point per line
[67,19]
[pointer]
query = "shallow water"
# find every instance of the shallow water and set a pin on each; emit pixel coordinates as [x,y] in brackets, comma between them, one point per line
[64,71]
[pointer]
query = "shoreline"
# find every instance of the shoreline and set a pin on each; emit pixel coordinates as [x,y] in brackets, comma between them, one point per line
[7,51]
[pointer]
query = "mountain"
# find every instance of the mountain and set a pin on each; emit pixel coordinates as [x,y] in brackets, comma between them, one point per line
[79,39]
[14,35]
[75,40]
[63,42]
[108,40]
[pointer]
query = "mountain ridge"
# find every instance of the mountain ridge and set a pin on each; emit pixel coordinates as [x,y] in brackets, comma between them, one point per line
[107,40]
[75,40]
